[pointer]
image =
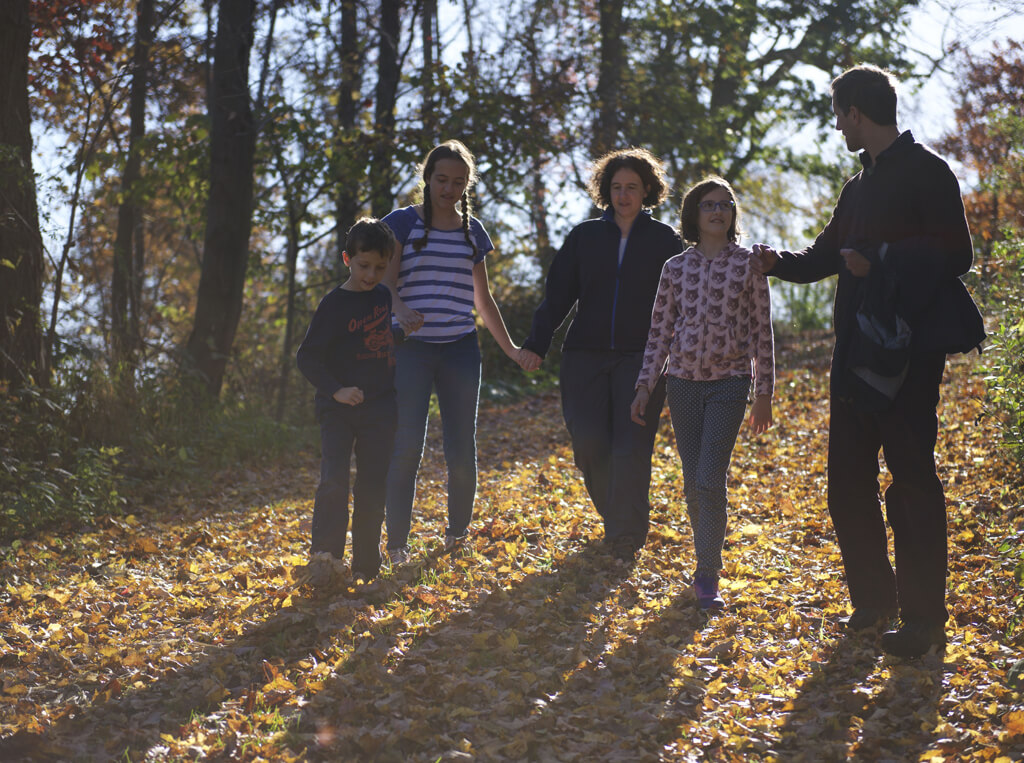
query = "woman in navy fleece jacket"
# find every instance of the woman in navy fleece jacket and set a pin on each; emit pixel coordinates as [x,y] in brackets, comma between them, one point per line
[609,268]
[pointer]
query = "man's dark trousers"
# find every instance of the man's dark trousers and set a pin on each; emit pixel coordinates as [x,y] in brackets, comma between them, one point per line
[915,505]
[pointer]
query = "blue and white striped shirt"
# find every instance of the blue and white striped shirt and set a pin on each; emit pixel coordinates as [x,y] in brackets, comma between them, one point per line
[437,281]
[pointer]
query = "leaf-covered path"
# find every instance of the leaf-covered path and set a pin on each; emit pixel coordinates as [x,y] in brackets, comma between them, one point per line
[178,632]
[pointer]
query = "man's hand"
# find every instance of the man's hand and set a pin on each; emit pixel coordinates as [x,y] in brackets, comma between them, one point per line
[856,262]
[763,258]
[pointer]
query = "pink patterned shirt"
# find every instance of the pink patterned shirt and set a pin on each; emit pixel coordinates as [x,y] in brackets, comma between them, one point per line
[712,320]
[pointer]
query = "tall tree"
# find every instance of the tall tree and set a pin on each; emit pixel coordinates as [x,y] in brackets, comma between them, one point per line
[229,206]
[129,245]
[21,251]
[388,75]
[609,77]
[989,95]
[428,24]
[348,161]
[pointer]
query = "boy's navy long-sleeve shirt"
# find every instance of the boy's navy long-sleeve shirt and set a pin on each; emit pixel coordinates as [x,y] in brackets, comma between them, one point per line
[349,344]
[613,301]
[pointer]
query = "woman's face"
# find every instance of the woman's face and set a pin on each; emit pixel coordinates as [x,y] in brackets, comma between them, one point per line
[627,193]
[715,214]
[448,182]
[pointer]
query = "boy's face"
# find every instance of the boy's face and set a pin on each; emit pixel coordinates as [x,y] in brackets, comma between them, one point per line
[367,266]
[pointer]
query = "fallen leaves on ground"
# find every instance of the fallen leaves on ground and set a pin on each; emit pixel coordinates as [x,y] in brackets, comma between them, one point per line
[182,631]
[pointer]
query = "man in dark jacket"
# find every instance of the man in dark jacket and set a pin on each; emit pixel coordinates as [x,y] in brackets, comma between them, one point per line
[902,213]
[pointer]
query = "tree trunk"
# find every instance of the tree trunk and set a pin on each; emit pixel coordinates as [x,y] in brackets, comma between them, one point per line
[609,81]
[129,246]
[382,198]
[349,157]
[287,354]
[229,207]
[429,116]
[21,250]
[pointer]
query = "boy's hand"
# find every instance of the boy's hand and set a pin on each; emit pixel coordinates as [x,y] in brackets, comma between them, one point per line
[761,414]
[639,407]
[349,396]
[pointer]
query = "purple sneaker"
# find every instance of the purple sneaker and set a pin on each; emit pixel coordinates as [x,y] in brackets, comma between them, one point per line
[706,588]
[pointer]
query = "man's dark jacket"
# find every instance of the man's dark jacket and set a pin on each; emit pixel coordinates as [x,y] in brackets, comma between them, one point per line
[613,301]
[910,200]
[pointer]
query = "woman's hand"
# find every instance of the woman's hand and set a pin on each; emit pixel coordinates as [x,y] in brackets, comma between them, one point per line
[761,414]
[638,409]
[528,360]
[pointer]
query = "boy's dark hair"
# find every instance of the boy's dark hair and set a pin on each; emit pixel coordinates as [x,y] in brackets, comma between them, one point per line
[370,235]
[642,162]
[689,212]
[871,89]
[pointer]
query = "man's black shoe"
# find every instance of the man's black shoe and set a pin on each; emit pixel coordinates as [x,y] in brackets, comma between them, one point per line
[624,551]
[864,618]
[914,639]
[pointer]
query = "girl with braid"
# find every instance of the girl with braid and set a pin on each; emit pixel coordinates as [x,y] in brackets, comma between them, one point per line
[436,279]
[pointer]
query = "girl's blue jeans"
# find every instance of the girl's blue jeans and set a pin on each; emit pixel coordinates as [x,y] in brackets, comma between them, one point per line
[452,369]
[706,418]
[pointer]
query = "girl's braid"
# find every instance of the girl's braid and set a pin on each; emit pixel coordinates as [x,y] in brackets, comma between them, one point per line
[465,223]
[419,243]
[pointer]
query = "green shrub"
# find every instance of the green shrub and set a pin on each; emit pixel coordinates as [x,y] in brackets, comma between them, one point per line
[76,451]
[1005,351]
[49,476]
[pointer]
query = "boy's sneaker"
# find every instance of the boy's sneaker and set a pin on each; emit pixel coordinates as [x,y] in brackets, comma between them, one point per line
[706,588]
[397,556]
[453,543]
[914,638]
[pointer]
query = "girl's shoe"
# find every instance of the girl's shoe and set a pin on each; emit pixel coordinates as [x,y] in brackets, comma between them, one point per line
[706,588]
[453,543]
[397,556]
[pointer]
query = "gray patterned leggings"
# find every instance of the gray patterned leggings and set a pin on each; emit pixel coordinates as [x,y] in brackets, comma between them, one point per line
[706,418]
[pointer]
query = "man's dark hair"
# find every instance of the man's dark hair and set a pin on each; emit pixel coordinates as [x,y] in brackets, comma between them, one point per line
[871,89]
[370,235]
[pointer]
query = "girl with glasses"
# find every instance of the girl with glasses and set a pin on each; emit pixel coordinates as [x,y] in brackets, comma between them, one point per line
[712,323]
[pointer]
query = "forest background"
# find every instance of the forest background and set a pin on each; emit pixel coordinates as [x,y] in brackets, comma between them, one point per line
[174,176]
[204,156]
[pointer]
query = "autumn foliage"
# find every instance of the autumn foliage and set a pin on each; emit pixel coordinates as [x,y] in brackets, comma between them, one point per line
[178,631]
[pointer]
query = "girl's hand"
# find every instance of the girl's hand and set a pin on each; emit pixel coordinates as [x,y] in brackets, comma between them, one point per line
[410,320]
[639,407]
[761,414]
[349,396]
[528,360]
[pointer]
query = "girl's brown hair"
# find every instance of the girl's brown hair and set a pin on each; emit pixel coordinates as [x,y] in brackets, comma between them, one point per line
[450,149]
[689,213]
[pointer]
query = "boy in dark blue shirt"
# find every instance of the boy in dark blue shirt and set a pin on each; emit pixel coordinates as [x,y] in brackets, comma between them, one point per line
[348,356]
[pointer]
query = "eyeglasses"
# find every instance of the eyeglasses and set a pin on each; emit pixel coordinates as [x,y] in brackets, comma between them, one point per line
[715,206]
